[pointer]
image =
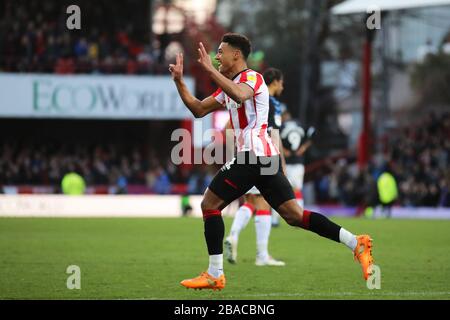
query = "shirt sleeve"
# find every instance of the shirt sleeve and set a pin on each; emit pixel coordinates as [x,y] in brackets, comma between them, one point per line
[219,95]
[252,79]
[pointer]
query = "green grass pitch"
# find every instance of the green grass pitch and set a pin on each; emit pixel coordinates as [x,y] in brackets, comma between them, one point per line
[146,259]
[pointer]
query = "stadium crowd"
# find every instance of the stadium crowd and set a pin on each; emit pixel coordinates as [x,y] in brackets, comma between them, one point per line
[112,164]
[34,38]
[418,157]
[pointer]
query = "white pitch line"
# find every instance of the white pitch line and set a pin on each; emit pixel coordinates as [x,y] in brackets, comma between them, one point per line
[337,294]
[331,294]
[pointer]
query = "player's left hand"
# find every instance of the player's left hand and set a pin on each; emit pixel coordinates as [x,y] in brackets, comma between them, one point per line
[204,58]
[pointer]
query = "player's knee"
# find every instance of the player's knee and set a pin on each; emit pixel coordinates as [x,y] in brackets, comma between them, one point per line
[209,210]
[208,205]
[204,205]
[293,220]
[211,201]
[294,217]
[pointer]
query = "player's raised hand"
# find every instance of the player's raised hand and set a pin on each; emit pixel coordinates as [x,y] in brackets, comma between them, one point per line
[204,58]
[176,70]
[311,132]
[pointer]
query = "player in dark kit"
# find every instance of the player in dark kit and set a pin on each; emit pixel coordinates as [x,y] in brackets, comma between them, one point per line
[295,141]
[257,163]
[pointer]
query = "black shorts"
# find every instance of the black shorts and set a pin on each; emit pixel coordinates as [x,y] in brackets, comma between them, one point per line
[246,170]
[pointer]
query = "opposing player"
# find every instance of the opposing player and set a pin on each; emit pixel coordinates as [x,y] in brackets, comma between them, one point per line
[254,203]
[295,141]
[257,163]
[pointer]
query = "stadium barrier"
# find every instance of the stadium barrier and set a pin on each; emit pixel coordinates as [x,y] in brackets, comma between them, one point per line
[35,205]
[158,206]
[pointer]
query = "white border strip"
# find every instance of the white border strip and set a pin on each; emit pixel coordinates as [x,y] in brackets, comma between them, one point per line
[89,206]
[50,205]
[126,206]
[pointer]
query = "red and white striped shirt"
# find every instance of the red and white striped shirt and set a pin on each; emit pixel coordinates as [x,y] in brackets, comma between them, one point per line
[249,119]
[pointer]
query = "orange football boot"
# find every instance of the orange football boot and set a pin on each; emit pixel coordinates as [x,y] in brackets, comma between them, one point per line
[205,281]
[363,253]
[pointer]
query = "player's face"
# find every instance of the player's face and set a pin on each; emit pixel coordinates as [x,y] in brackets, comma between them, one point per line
[227,57]
[279,87]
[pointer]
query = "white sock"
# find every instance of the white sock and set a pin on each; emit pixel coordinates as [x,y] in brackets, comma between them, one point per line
[263,225]
[240,221]
[215,265]
[348,238]
[275,218]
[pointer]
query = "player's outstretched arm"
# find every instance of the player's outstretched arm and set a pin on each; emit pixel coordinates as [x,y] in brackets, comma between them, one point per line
[304,147]
[310,134]
[239,92]
[198,108]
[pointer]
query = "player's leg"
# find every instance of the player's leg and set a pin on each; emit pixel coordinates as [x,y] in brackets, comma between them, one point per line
[214,230]
[243,215]
[263,225]
[295,216]
[231,181]
[389,210]
[240,221]
[278,192]
[275,218]
[295,174]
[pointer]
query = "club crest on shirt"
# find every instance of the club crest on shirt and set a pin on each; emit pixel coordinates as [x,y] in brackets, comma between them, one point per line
[251,78]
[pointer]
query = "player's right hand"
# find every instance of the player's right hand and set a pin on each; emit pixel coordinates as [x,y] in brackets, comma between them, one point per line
[311,132]
[176,70]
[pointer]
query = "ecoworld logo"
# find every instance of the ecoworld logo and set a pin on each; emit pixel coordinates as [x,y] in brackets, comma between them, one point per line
[90,98]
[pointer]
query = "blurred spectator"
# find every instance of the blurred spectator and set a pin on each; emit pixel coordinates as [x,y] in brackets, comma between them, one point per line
[418,158]
[387,191]
[65,65]
[446,44]
[81,48]
[122,185]
[424,50]
[73,184]
[115,165]
[199,181]
[186,207]
[162,183]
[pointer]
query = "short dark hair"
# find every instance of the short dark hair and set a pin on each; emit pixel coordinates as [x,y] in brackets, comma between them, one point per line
[238,41]
[271,75]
